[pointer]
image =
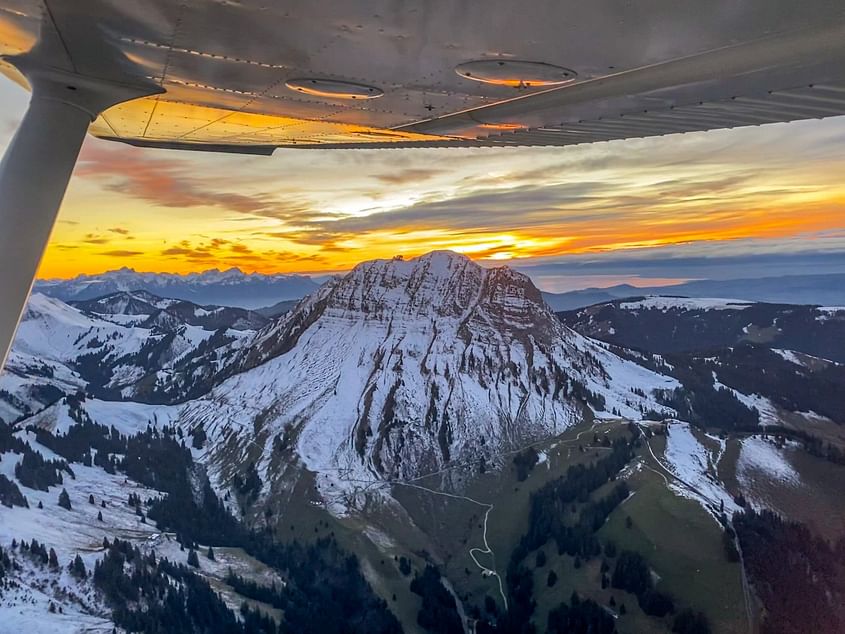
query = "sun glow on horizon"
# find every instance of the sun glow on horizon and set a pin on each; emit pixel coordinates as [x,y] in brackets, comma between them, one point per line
[323,212]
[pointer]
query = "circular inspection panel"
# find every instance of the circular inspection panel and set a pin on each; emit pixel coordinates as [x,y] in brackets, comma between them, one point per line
[333,88]
[515,73]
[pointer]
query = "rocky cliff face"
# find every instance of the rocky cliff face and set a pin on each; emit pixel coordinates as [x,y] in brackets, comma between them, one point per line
[401,367]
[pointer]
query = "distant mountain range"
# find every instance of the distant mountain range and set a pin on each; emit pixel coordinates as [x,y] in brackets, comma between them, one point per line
[666,325]
[273,295]
[231,287]
[819,290]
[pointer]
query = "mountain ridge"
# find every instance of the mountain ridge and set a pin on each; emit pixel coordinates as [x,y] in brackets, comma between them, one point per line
[231,287]
[664,324]
[396,368]
[820,289]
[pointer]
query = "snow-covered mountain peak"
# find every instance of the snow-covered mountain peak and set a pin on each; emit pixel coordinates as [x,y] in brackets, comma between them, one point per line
[435,285]
[216,276]
[438,283]
[441,294]
[42,307]
[137,302]
[397,368]
[402,366]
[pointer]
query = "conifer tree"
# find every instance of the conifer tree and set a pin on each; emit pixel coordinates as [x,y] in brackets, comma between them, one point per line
[64,499]
[77,568]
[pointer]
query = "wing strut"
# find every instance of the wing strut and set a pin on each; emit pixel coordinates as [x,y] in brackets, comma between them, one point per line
[36,168]
[34,174]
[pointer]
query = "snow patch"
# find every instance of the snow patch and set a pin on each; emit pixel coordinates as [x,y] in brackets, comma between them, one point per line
[685,303]
[791,356]
[830,312]
[695,466]
[759,457]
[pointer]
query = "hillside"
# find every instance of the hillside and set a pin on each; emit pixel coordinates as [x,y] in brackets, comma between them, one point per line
[111,347]
[783,361]
[675,324]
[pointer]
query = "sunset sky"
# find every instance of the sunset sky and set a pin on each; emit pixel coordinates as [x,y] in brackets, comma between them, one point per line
[768,200]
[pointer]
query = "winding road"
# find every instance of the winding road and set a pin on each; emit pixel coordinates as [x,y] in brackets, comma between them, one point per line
[472,551]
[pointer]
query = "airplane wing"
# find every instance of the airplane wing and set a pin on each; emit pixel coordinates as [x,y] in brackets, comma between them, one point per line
[252,75]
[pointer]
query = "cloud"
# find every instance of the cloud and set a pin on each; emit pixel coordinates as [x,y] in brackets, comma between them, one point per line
[93,238]
[213,249]
[176,251]
[580,208]
[121,253]
[605,202]
[169,182]
[410,175]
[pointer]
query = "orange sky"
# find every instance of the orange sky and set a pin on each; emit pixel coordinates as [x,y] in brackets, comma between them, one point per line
[312,211]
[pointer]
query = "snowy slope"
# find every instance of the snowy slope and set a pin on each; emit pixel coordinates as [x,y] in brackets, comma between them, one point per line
[76,530]
[35,597]
[33,588]
[695,466]
[61,349]
[394,370]
[53,330]
[761,462]
[127,417]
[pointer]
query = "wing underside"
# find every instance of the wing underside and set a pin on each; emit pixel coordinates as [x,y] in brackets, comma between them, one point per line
[235,76]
